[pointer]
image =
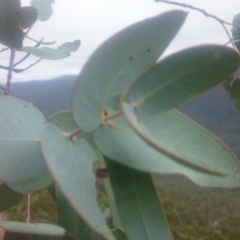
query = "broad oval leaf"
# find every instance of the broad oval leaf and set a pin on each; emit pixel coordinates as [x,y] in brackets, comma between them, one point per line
[190,161]
[181,76]
[44,8]
[137,203]
[11,34]
[20,153]
[24,188]
[70,162]
[119,61]
[61,52]
[33,228]
[70,220]
[8,197]
[119,142]
[28,16]
[64,120]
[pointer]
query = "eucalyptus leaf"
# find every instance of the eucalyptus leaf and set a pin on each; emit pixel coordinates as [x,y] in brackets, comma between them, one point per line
[111,200]
[8,197]
[11,34]
[236,31]
[20,153]
[119,61]
[64,120]
[61,52]
[33,228]
[141,130]
[24,188]
[181,76]
[28,16]
[44,8]
[137,203]
[70,162]
[234,89]
[70,220]
[20,236]
[121,143]
[119,234]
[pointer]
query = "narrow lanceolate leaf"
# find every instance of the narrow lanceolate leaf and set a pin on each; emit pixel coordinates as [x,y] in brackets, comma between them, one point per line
[33,228]
[138,204]
[44,8]
[119,61]
[8,197]
[20,153]
[181,76]
[61,52]
[178,133]
[70,162]
[28,16]
[11,34]
[236,31]
[111,200]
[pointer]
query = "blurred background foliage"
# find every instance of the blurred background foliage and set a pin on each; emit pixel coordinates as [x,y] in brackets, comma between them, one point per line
[193,212]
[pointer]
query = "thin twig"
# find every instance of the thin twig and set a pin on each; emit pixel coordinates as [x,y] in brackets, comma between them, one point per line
[118,113]
[4,49]
[2,87]
[222,22]
[197,9]
[74,133]
[43,43]
[28,210]
[9,76]
[27,55]
[17,70]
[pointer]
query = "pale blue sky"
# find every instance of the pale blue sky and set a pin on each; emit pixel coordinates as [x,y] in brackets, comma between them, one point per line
[94,21]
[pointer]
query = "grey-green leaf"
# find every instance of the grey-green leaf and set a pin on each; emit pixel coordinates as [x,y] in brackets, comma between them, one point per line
[28,16]
[20,236]
[177,132]
[20,153]
[137,203]
[181,76]
[70,162]
[8,197]
[11,34]
[33,228]
[44,181]
[70,220]
[119,234]
[44,8]
[119,61]
[61,52]
[190,161]
[64,120]
[236,31]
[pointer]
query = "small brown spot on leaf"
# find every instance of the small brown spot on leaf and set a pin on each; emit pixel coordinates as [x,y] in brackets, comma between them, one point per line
[148,50]
[102,173]
[130,58]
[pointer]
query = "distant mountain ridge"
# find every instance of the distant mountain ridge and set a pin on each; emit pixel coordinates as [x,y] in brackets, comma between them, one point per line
[214,109]
[49,96]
